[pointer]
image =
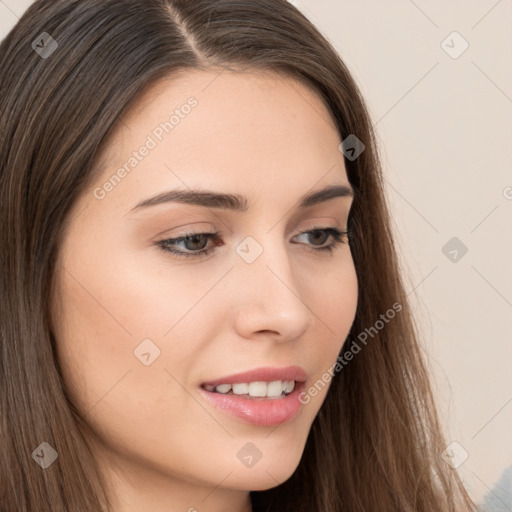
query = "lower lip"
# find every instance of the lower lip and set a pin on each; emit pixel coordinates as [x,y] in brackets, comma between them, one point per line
[267,412]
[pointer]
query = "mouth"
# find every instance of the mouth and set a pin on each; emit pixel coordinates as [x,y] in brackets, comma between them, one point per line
[258,390]
[266,382]
[262,397]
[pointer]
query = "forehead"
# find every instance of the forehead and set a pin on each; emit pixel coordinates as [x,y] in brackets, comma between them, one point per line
[219,129]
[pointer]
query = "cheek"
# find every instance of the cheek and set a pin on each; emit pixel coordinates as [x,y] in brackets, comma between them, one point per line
[126,296]
[335,307]
[336,297]
[111,317]
[101,319]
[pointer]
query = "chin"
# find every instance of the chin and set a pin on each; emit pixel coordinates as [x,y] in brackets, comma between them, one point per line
[263,476]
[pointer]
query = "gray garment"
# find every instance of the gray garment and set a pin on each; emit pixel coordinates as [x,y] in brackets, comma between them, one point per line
[499,498]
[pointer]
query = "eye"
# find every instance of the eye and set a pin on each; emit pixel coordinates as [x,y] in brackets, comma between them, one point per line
[195,244]
[321,235]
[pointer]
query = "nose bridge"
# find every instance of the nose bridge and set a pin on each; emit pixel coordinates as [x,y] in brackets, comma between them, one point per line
[268,294]
[263,257]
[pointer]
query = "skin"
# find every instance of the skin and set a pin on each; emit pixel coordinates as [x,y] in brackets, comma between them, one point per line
[161,446]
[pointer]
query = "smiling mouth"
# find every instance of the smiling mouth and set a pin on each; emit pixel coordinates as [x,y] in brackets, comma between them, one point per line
[257,389]
[263,400]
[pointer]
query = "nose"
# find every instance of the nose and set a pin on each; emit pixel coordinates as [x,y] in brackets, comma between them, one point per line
[269,295]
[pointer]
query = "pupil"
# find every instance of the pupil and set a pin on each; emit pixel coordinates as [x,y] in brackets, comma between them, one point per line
[194,239]
[318,232]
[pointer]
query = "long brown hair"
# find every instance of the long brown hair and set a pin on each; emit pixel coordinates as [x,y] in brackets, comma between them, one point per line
[376,443]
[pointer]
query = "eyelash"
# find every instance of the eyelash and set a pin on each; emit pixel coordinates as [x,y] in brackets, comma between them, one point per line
[336,234]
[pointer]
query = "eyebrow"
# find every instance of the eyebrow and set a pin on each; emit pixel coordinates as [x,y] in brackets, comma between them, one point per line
[237,202]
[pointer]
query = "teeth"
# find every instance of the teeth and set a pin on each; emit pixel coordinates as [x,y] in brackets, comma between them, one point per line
[223,388]
[256,389]
[275,388]
[241,389]
[288,386]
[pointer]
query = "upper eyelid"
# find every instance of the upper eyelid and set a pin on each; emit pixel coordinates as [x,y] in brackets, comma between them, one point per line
[186,233]
[322,222]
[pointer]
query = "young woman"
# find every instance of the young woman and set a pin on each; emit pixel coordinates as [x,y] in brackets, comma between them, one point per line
[201,304]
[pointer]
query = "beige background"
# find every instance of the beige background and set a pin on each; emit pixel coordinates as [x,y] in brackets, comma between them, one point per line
[446,130]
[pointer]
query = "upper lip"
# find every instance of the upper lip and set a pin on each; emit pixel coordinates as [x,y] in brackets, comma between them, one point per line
[264,374]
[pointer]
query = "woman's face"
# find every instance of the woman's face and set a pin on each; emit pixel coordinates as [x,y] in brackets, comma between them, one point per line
[140,330]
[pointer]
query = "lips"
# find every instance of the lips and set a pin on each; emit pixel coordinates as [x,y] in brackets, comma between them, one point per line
[260,412]
[265,374]
[265,411]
